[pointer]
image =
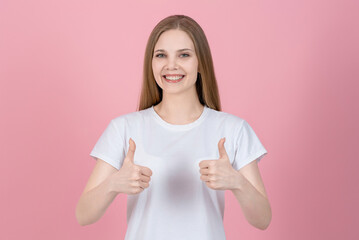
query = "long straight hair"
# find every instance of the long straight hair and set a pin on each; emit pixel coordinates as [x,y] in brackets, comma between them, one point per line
[206,84]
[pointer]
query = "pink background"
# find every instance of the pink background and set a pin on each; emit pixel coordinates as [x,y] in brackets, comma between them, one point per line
[290,68]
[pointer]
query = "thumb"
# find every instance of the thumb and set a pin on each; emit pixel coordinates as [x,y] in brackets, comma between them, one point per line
[131,150]
[221,148]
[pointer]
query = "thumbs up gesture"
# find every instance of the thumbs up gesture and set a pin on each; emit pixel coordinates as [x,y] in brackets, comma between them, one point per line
[131,178]
[219,174]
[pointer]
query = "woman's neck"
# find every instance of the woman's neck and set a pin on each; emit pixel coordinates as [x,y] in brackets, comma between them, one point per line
[179,112]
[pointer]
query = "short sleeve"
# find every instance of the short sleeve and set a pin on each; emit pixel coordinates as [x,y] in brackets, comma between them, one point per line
[248,147]
[110,146]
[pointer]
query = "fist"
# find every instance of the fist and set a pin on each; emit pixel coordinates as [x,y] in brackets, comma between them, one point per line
[131,178]
[219,174]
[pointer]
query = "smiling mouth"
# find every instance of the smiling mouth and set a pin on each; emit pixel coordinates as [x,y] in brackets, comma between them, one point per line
[173,78]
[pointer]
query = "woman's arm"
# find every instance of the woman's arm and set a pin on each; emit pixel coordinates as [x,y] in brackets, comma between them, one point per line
[252,197]
[98,194]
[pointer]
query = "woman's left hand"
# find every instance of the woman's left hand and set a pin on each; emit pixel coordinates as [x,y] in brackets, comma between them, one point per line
[219,174]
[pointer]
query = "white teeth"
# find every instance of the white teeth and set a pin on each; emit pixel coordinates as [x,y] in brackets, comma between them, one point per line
[173,78]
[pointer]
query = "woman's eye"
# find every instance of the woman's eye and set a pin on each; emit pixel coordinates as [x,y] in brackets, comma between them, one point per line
[160,55]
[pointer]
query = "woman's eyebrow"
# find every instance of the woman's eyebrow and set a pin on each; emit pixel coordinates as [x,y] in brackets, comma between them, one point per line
[180,50]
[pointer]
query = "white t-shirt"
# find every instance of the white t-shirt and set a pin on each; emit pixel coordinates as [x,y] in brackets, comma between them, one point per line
[177,204]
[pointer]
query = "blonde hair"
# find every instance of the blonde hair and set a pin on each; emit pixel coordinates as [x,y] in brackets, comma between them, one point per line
[206,84]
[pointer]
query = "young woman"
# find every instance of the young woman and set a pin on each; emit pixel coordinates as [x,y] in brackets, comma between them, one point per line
[176,155]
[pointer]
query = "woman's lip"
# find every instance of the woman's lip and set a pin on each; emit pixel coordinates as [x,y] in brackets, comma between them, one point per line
[173,75]
[173,81]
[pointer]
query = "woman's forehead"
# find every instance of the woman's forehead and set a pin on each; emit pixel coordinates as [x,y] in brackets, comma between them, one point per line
[173,40]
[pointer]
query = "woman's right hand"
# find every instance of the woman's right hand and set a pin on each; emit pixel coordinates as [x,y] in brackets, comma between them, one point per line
[131,178]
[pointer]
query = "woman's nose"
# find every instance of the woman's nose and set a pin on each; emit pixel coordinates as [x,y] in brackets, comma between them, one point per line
[171,63]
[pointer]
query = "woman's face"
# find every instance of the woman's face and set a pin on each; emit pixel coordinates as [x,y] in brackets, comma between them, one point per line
[174,56]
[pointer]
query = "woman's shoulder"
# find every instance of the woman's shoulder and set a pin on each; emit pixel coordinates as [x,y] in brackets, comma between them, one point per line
[228,118]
